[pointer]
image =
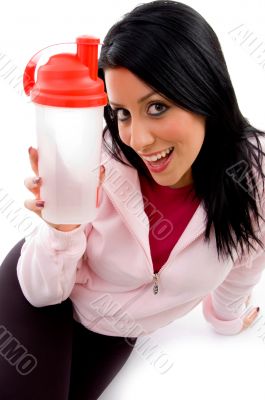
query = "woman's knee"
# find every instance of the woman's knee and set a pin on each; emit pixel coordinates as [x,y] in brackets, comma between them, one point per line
[8,269]
[12,257]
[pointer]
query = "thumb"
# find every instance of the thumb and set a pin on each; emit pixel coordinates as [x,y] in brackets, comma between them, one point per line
[102,174]
[34,156]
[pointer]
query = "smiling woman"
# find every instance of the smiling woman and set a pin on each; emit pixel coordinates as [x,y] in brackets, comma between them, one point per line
[168,50]
[166,137]
[181,196]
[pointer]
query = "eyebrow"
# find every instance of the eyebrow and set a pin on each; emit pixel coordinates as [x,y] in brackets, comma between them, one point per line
[138,101]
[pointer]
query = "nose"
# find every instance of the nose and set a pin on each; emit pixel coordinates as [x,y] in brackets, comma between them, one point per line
[141,136]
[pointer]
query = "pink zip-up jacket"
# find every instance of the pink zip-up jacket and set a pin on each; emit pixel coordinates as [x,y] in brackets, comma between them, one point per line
[105,267]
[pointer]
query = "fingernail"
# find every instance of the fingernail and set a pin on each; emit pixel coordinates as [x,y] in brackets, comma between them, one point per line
[257,309]
[29,149]
[40,203]
[37,179]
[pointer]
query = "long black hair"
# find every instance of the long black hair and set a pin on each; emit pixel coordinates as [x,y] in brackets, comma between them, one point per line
[172,48]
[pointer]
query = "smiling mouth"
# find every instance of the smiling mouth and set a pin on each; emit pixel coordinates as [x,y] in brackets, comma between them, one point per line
[160,159]
[158,155]
[161,164]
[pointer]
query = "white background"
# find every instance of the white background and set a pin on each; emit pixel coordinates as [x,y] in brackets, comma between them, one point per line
[205,364]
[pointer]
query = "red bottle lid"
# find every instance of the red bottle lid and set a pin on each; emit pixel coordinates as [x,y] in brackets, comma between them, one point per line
[67,80]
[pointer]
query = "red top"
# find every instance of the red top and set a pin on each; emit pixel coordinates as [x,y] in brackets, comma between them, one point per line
[169,212]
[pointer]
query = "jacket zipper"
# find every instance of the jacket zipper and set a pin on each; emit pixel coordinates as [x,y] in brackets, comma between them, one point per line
[155,274]
[155,279]
[155,287]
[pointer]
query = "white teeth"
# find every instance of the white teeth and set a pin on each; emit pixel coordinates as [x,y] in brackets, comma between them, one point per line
[159,155]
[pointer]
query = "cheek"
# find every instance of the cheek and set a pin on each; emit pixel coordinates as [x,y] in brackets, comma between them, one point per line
[197,132]
[124,134]
[188,129]
[173,131]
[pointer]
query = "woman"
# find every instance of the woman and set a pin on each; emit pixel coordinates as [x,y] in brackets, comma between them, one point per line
[180,219]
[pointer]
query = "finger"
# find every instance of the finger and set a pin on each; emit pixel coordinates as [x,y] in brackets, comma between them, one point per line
[102,174]
[33,186]
[32,182]
[30,204]
[33,156]
[250,317]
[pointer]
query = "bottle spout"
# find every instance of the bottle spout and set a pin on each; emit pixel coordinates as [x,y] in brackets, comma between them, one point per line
[87,52]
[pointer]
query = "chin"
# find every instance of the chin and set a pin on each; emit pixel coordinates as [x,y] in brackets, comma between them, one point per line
[167,182]
[174,183]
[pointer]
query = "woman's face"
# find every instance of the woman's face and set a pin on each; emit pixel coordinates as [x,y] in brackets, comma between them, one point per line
[149,123]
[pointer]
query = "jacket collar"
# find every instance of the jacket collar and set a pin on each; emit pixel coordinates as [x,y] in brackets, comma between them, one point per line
[122,186]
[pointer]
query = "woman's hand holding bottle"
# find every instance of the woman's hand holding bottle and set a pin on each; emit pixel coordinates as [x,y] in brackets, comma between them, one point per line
[33,185]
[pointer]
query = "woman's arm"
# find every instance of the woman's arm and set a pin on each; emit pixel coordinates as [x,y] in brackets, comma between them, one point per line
[48,262]
[225,308]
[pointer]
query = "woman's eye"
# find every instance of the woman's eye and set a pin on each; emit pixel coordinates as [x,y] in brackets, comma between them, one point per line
[121,114]
[158,108]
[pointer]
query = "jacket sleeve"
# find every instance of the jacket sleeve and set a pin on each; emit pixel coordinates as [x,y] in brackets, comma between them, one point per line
[47,265]
[225,307]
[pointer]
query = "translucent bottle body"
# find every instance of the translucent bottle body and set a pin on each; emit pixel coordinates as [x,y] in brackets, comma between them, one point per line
[69,144]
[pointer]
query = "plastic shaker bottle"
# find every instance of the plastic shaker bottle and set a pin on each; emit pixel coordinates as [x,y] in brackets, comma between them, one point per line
[69,101]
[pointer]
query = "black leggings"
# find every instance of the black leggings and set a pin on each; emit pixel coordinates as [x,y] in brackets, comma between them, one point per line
[45,353]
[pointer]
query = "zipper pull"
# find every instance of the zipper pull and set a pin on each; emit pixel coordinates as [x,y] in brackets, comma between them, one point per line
[155,287]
